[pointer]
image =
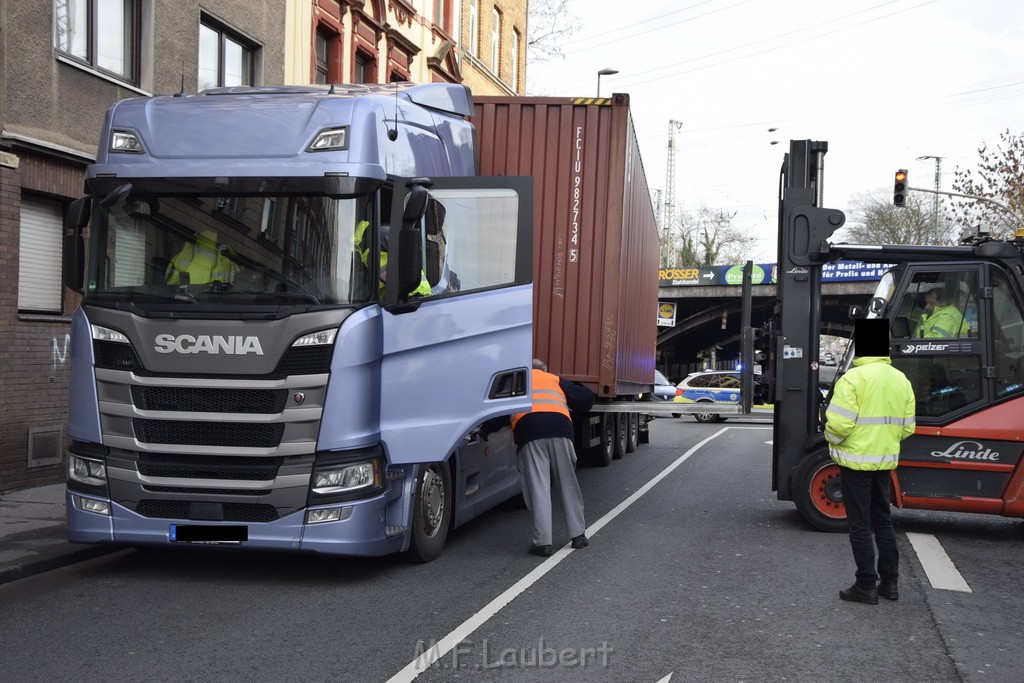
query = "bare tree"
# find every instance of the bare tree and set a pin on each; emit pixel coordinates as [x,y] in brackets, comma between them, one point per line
[873,219]
[705,237]
[550,23]
[999,176]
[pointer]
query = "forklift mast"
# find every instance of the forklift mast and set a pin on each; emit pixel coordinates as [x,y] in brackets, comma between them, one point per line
[794,327]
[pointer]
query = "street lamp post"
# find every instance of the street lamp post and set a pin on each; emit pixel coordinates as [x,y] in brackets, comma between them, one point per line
[603,72]
[937,201]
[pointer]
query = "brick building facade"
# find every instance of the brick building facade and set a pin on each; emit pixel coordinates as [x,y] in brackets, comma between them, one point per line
[59,72]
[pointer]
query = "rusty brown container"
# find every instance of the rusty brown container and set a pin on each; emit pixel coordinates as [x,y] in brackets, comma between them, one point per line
[595,241]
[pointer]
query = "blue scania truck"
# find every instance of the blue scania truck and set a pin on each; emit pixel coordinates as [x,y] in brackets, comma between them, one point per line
[300,304]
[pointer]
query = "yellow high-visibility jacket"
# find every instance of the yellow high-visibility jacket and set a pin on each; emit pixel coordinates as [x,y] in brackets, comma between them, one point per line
[945,321]
[871,412]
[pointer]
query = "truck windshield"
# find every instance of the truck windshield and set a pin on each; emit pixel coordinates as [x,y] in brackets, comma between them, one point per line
[231,251]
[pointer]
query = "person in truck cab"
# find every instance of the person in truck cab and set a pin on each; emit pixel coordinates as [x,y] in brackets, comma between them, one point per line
[203,261]
[363,246]
[943,318]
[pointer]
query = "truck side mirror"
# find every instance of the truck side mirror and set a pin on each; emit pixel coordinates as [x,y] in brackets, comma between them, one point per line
[410,250]
[857,311]
[73,262]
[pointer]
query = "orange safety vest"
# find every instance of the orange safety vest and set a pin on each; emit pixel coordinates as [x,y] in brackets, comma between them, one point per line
[547,396]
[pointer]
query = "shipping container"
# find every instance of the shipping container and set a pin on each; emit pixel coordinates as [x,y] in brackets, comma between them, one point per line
[596,246]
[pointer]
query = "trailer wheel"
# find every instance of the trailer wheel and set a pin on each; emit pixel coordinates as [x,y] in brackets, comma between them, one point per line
[644,435]
[817,494]
[707,416]
[633,440]
[621,434]
[602,454]
[431,512]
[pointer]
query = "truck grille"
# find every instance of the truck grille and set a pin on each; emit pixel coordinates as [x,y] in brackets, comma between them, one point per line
[233,512]
[306,360]
[183,433]
[301,360]
[116,356]
[256,401]
[209,467]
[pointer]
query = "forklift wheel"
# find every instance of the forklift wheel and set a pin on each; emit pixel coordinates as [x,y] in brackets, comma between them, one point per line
[816,492]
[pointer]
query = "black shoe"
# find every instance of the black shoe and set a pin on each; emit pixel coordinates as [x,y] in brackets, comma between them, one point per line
[580,541]
[857,593]
[889,591]
[541,550]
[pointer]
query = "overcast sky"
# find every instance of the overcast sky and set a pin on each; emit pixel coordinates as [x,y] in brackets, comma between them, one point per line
[883,81]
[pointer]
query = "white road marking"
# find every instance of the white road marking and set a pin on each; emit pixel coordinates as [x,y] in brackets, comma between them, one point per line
[466,628]
[941,571]
[666,679]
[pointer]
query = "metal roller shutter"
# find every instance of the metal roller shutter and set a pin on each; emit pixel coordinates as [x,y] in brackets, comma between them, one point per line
[39,261]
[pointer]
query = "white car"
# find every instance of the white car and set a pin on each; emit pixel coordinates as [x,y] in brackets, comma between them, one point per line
[664,390]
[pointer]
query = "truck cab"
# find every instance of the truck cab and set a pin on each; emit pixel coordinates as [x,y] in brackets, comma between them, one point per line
[300,303]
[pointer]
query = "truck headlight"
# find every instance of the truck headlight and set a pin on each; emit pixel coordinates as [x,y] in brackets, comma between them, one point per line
[87,470]
[347,478]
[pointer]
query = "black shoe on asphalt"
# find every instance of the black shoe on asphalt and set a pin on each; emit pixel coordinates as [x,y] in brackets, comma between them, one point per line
[856,593]
[889,591]
[580,541]
[541,550]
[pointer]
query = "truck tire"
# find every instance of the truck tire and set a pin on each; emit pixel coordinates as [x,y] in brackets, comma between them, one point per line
[633,437]
[707,417]
[601,455]
[621,436]
[816,492]
[431,512]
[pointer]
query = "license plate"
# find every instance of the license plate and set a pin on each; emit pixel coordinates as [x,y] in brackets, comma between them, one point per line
[198,533]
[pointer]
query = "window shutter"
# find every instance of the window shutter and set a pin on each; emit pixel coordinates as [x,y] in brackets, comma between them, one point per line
[39,260]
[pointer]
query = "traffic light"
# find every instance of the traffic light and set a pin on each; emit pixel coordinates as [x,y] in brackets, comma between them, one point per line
[899,190]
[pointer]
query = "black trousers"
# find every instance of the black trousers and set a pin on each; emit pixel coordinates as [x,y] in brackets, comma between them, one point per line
[866,496]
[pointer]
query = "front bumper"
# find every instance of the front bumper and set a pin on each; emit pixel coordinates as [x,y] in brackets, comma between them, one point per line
[361,532]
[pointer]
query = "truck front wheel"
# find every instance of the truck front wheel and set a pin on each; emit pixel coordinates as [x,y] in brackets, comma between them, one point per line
[431,512]
[817,493]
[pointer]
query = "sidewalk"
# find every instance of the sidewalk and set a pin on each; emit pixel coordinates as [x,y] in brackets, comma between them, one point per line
[32,534]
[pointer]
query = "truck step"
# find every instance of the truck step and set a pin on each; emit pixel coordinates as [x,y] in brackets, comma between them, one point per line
[395,530]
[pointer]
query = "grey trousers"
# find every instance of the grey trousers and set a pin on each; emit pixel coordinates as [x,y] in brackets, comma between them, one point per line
[539,461]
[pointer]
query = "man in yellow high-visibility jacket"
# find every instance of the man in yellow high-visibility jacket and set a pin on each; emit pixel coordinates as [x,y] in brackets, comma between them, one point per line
[944,319]
[204,262]
[871,412]
[364,248]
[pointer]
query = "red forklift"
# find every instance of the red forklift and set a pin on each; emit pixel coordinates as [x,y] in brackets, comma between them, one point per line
[966,453]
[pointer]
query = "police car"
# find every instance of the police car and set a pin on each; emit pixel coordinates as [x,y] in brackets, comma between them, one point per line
[711,387]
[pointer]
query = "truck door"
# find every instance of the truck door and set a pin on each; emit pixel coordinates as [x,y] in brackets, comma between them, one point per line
[461,354]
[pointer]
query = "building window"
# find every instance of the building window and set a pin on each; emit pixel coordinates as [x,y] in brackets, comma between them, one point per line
[442,15]
[474,29]
[323,42]
[496,43]
[102,34]
[39,271]
[225,59]
[514,78]
[363,68]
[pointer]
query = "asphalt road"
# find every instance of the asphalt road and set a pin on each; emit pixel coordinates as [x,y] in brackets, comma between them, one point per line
[694,572]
